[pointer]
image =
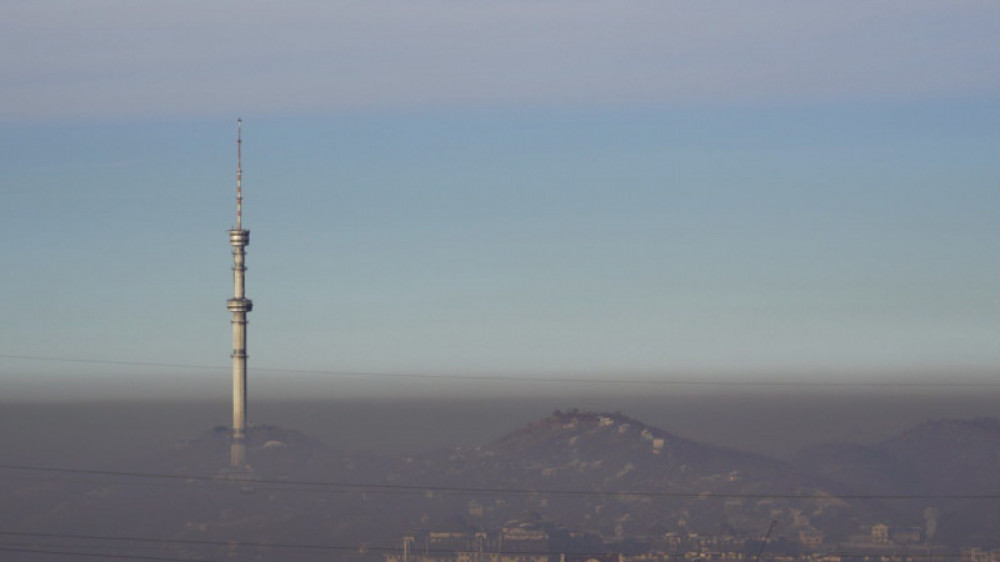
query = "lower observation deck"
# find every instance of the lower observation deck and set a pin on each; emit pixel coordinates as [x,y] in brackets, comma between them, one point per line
[239,305]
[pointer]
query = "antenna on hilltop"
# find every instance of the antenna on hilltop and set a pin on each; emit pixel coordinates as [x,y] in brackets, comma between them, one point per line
[239,173]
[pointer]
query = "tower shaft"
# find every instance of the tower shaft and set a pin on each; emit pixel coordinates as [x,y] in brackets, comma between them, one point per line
[239,306]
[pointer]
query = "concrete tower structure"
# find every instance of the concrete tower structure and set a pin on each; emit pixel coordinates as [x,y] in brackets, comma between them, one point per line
[239,306]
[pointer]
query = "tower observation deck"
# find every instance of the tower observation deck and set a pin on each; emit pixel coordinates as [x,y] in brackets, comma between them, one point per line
[239,306]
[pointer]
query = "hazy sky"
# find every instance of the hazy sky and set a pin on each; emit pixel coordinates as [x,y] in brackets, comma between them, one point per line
[741,190]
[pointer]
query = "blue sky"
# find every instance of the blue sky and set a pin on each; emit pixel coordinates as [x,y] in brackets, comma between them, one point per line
[739,191]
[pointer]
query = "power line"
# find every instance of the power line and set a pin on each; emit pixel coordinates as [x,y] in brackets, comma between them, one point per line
[199,542]
[412,488]
[521,378]
[80,544]
[336,547]
[104,555]
[108,362]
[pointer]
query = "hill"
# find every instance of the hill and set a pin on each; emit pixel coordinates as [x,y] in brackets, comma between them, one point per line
[615,475]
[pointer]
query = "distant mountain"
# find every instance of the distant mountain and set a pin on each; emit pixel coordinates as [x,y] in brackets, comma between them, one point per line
[859,469]
[951,456]
[941,458]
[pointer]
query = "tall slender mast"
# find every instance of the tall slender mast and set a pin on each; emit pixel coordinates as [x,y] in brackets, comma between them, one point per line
[239,305]
[239,174]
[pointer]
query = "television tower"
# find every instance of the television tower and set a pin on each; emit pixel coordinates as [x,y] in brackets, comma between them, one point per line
[239,305]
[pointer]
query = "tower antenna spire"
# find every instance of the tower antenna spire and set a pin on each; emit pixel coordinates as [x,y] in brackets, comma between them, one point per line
[239,173]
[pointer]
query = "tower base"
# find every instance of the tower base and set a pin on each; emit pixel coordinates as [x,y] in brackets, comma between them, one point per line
[238,454]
